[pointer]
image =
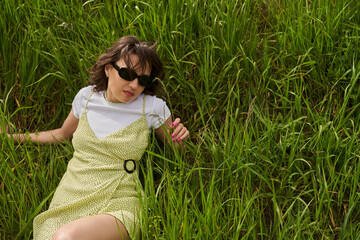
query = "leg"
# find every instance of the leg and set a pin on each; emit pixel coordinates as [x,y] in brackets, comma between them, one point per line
[101,226]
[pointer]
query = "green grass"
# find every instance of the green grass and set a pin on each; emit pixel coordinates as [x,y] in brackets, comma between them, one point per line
[269,90]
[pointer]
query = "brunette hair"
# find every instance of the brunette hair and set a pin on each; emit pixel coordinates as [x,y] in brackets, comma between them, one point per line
[122,49]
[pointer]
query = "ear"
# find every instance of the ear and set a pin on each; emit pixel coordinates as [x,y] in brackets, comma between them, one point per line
[107,69]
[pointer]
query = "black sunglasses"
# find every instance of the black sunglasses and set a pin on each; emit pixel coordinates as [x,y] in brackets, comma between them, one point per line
[129,75]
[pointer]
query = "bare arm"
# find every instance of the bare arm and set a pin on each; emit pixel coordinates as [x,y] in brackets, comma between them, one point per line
[171,131]
[53,136]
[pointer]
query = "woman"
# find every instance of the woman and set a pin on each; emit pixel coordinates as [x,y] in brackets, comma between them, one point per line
[109,124]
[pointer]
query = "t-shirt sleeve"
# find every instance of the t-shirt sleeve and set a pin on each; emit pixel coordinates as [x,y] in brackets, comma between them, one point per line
[160,113]
[78,104]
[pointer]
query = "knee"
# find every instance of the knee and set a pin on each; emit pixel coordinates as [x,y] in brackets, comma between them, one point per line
[64,233]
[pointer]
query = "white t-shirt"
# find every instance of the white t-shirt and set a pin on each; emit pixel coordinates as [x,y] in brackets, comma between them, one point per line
[105,117]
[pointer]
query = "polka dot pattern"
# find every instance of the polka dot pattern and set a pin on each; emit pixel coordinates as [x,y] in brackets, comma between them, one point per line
[96,182]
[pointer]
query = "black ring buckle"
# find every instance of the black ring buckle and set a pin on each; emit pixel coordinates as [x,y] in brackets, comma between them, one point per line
[127,170]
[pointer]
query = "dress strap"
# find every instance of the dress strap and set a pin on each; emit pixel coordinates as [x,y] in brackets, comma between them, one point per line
[88,100]
[144,105]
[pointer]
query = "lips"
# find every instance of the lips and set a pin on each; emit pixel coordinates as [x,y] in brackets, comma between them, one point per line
[129,94]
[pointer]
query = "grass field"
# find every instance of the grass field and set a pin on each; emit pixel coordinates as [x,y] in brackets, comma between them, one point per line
[269,90]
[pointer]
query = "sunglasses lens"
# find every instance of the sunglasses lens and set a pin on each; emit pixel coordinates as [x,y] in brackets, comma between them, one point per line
[125,74]
[146,81]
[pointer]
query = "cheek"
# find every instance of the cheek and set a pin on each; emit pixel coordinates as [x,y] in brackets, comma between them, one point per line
[112,81]
[141,89]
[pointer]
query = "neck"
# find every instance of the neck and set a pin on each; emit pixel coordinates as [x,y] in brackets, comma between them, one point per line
[110,98]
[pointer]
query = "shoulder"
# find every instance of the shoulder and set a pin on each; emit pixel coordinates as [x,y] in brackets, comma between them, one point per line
[80,99]
[85,92]
[153,99]
[156,111]
[157,107]
[83,95]
[154,102]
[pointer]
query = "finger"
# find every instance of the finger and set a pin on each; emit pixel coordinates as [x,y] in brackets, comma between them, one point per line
[182,134]
[175,123]
[1,126]
[178,128]
[185,136]
[179,143]
[4,129]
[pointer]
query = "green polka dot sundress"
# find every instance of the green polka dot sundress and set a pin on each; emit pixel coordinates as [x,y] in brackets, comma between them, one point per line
[97,181]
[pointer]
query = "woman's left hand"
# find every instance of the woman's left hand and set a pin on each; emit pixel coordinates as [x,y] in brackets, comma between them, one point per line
[173,132]
[178,131]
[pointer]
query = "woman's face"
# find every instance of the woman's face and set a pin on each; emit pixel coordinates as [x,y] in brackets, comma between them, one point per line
[121,90]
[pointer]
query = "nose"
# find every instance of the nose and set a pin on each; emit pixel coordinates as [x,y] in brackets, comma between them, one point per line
[134,83]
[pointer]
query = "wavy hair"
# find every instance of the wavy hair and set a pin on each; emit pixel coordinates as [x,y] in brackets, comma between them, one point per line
[122,49]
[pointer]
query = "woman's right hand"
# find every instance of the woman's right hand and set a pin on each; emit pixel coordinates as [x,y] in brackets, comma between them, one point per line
[53,136]
[4,128]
